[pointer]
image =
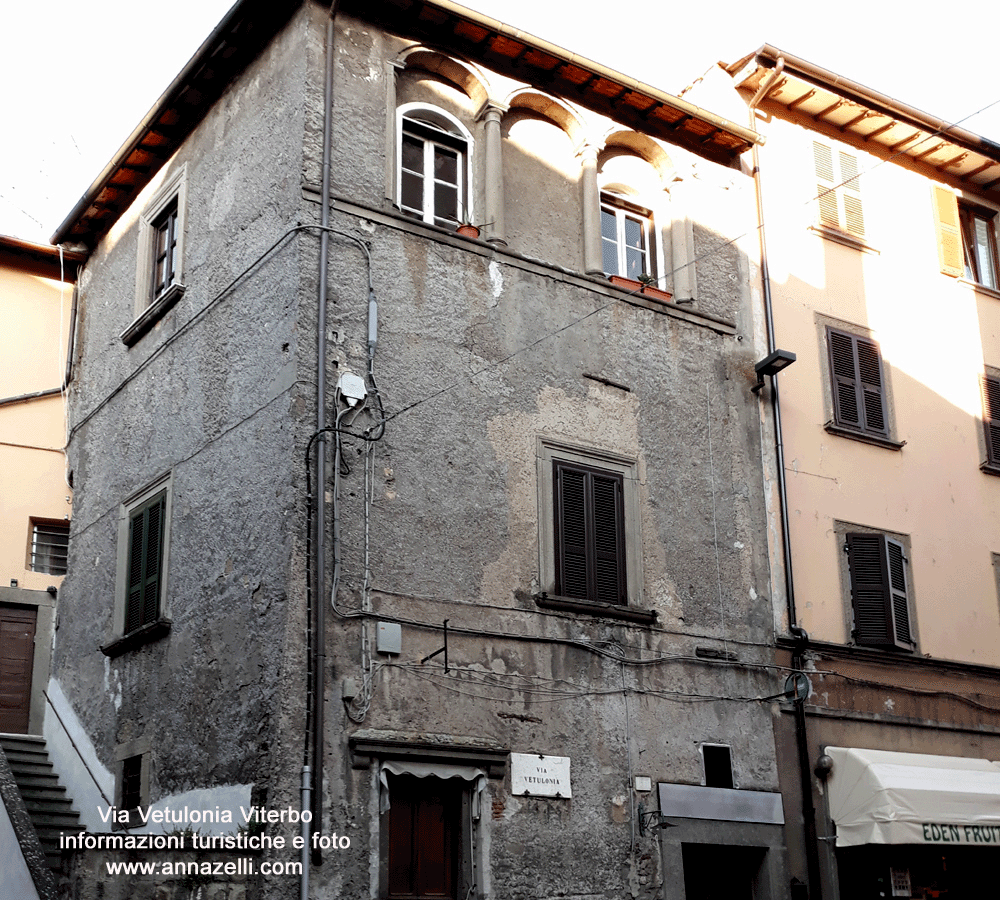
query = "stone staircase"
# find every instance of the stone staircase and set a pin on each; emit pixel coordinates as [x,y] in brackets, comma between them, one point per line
[50,809]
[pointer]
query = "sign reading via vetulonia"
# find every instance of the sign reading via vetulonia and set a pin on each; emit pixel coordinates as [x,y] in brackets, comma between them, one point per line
[536,775]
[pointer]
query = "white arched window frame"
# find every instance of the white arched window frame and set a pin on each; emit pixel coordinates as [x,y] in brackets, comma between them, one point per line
[630,244]
[434,165]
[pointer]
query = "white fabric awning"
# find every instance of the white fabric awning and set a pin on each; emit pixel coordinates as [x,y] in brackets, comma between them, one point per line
[429,770]
[885,797]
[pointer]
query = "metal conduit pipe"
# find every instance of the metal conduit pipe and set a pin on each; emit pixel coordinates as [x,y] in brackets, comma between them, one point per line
[800,635]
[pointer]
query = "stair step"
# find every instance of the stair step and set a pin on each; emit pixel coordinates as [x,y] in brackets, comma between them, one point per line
[39,781]
[29,768]
[49,805]
[50,809]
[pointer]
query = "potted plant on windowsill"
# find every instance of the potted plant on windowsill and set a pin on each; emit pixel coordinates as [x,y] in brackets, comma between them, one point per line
[466,227]
[645,284]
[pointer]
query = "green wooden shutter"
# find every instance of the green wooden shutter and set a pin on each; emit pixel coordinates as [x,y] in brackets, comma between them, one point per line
[145,562]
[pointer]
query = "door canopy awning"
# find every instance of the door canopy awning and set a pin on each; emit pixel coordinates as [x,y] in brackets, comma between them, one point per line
[885,797]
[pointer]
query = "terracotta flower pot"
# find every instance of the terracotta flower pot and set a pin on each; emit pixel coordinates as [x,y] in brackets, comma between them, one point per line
[467,230]
[648,290]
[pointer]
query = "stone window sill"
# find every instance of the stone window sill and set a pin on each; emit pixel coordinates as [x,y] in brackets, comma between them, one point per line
[842,237]
[981,288]
[152,314]
[607,610]
[138,638]
[864,437]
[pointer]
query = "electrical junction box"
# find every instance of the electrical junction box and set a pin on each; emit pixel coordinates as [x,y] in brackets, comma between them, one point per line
[389,638]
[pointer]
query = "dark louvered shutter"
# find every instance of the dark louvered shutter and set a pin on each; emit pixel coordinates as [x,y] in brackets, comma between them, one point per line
[608,538]
[571,531]
[870,371]
[878,591]
[133,605]
[991,418]
[846,410]
[857,382]
[897,593]
[144,564]
[589,534]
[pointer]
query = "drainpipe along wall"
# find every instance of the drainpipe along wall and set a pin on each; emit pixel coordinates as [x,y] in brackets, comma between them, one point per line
[319,606]
[802,638]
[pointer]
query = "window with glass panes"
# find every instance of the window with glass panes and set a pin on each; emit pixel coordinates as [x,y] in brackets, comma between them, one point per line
[625,240]
[980,245]
[432,163]
[165,250]
[49,547]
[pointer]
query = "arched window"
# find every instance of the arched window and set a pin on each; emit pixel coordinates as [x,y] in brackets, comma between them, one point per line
[434,171]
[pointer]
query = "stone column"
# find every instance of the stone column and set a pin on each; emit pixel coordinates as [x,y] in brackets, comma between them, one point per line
[682,246]
[592,259]
[493,214]
[392,67]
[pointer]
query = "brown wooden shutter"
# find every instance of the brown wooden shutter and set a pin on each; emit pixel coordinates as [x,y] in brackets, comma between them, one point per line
[589,533]
[609,538]
[857,383]
[878,591]
[844,381]
[571,531]
[949,234]
[872,387]
[991,418]
[899,602]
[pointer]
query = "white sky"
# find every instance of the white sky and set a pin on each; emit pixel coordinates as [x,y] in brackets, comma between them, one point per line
[78,77]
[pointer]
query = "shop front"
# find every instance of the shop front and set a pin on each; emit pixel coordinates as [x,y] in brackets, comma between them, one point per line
[913,824]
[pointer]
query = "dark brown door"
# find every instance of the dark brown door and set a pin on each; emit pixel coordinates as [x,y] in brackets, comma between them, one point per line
[17,654]
[423,838]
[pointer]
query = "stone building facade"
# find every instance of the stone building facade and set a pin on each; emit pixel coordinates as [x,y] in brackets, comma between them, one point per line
[540,640]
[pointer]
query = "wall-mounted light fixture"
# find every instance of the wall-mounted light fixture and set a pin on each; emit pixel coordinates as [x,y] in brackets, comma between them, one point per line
[771,365]
[652,819]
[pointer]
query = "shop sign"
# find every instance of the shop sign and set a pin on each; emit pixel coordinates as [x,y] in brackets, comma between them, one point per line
[937,833]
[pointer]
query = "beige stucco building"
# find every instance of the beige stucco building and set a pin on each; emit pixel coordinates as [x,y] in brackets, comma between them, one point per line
[879,227]
[36,294]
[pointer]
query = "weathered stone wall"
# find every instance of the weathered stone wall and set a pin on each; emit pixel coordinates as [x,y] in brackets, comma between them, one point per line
[481,353]
[213,394]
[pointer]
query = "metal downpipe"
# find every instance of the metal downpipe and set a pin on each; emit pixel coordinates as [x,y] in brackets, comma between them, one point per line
[319,606]
[800,635]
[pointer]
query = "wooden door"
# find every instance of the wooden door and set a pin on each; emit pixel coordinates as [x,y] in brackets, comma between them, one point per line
[17,656]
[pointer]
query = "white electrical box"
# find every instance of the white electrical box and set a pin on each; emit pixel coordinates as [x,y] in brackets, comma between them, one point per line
[390,638]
